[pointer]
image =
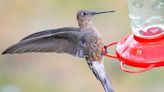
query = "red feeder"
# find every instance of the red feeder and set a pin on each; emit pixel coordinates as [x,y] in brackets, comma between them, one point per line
[145,53]
[145,47]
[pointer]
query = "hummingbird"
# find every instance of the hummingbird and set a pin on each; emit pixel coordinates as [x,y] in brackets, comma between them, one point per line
[83,41]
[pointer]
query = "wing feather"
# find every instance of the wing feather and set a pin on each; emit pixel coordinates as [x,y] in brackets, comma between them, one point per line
[63,40]
[50,32]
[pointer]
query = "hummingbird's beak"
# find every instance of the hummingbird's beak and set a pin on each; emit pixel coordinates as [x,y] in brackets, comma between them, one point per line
[95,13]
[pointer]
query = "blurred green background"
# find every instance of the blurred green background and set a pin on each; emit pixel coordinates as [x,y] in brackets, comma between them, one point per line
[61,72]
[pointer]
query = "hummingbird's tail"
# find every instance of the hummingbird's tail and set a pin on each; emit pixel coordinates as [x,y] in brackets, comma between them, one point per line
[99,71]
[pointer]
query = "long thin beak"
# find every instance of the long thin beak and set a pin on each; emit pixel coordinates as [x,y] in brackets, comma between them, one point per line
[95,13]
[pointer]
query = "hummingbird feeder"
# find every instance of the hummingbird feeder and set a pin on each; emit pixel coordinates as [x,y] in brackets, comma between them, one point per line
[144,48]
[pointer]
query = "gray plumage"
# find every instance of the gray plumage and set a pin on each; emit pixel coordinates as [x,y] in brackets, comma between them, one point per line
[99,71]
[62,40]
[84,42]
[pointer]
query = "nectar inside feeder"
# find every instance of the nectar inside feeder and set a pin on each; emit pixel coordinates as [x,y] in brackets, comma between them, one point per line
[145,47]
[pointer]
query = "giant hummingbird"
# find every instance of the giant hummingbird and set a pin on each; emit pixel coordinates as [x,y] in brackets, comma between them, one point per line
[83,41]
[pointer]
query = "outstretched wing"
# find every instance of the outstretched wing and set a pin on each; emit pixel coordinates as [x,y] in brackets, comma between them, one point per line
[63,40]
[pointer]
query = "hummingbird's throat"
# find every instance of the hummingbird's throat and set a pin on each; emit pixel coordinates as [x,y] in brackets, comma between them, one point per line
[86,25]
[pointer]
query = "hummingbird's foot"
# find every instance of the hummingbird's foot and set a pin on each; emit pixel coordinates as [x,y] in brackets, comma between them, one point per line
[104,50]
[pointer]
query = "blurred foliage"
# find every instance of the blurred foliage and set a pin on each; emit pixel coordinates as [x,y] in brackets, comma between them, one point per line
[61,72]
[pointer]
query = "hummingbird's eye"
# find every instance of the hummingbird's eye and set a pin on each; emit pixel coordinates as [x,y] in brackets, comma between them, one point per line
[84,13]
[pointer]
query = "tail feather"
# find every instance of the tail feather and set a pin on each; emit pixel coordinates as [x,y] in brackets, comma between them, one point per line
[99,71]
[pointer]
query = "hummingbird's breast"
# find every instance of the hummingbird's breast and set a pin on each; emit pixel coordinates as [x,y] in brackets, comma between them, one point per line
[93,46]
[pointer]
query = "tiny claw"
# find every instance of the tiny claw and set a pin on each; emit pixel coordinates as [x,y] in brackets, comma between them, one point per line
[106,50]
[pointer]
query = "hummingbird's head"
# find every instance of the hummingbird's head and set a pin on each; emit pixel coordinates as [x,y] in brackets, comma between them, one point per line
[87,15]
